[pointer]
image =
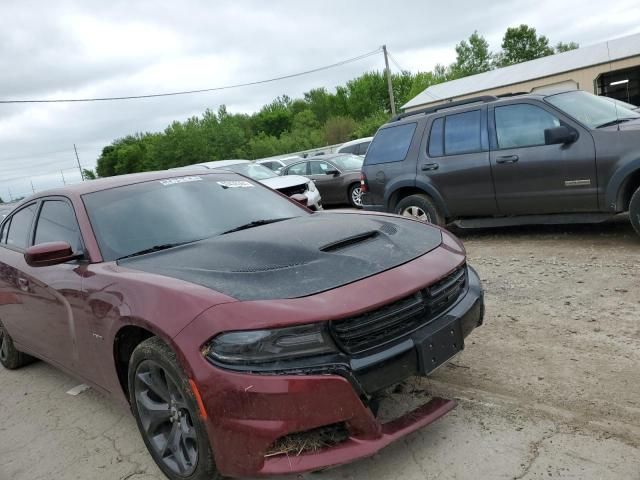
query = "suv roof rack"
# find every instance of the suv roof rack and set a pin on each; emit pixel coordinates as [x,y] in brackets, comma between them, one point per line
[512,94]
[443,106]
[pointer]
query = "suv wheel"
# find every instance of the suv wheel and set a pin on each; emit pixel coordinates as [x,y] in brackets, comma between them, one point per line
[634,211]
[420,207]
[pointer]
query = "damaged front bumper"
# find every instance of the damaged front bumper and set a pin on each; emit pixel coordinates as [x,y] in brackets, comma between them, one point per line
[256,410]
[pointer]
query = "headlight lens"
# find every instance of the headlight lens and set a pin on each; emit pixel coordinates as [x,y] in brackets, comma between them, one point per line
[311,186]
[261,346]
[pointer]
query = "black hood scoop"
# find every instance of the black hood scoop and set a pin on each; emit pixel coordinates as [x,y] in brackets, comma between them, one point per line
[294,258]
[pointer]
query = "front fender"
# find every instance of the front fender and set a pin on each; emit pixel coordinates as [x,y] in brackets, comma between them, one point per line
[616,182]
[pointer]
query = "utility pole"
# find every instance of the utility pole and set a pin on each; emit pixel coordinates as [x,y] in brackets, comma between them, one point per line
[10,196]
[78,158]
[64,182]
[32,188]
[389,85]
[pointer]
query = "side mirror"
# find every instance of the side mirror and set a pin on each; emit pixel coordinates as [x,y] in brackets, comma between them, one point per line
[47,254]
[559,135]
[298,197]
[333,172]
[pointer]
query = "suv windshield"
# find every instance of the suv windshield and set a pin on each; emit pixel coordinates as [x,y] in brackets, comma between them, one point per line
[348,162]
[591,110]
[252,170]
[147,215]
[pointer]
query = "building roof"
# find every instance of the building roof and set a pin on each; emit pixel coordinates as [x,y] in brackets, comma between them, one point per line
[582,57]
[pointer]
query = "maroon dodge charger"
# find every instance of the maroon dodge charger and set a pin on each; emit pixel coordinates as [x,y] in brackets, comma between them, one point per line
[231,320]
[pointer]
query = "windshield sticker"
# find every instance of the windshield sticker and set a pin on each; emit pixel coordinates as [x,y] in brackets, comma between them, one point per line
[174,181]
[236,184]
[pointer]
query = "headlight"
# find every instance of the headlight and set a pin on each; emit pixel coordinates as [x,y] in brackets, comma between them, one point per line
[311,186]
[260,346]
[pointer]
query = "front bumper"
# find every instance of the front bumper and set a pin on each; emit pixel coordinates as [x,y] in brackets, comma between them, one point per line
[314,202]
[249,412]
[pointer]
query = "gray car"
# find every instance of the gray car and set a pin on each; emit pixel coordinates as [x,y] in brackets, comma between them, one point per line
[337,177]
[570,157]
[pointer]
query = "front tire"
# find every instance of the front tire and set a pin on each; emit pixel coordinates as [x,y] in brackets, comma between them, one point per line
[167,413]
[420,207]
[634,211]
[355,195]
[10,357]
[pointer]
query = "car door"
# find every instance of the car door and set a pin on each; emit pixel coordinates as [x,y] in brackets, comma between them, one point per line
[301,168]
[454,159]
[330,185]
[53,294]
[533,178]
[16,295]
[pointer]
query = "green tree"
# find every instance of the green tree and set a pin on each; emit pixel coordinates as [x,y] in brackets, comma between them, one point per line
[565,47]
[1,200]
[88,174]
[472,57]
[521,44]
[338,129]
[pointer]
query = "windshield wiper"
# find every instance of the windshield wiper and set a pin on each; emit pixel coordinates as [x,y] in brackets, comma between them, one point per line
[615,122]
[255,223]
[155,248]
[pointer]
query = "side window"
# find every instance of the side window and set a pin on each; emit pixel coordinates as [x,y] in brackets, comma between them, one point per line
[319,168]
[349,149]
[390,144]
[297,169]
[18,234]
[362,148]
[3,233]
[436,137]
[57,223]
[269,165]
[522,125]
[462,133]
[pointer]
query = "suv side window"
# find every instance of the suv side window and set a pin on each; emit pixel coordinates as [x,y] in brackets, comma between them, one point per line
[349,149]
[57,223]
[20,226]
[391,144]
[462,133]
[436,138]
[522,125]
[298,169]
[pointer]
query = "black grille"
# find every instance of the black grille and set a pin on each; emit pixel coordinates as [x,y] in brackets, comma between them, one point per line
[296,189]
[371,329]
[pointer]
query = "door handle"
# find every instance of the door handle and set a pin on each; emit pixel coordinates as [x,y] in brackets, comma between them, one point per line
[429,166]
[508,159]
[23,284]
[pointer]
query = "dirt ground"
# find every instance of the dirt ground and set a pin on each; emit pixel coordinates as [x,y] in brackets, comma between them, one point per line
[549,387]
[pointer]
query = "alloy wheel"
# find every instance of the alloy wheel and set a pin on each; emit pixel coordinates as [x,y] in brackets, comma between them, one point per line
[417,213]
[165,417]
[356,196]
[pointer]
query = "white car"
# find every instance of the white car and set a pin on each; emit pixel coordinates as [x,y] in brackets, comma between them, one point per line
[277,164]
[356,147]
[288,185]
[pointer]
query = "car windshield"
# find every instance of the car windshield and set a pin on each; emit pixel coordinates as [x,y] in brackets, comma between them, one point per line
[252,170]
[348,162]
[142,216]
[591,110]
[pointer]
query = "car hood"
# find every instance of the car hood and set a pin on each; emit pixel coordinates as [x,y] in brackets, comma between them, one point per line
[284,182]
[296,257]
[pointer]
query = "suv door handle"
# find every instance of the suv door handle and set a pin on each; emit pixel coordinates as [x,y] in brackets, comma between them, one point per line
[429,166]
[508,159]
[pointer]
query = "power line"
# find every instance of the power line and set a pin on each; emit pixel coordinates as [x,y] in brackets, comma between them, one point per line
[395,62]
[202,90]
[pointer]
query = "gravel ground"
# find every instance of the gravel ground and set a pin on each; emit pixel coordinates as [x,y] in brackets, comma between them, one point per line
[549,387]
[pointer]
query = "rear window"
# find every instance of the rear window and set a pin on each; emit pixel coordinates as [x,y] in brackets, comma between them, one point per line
[390,144]
[20,226]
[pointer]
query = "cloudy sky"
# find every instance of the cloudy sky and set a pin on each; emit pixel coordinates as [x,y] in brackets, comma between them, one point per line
[96,48]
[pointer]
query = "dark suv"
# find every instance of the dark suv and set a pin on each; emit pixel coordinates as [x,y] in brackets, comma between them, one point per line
[571,157]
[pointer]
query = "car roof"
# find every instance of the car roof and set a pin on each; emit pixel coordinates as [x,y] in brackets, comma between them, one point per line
[356,142]
[91,186]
